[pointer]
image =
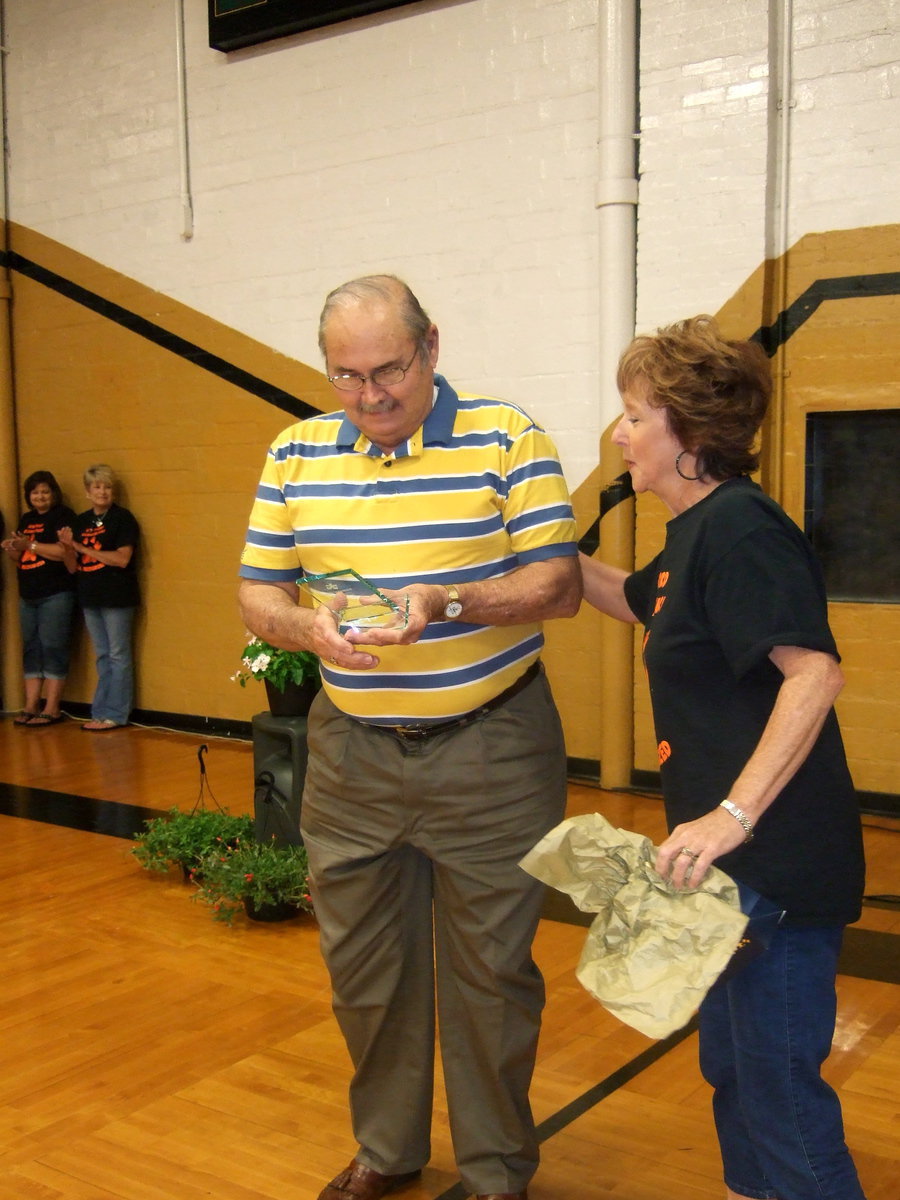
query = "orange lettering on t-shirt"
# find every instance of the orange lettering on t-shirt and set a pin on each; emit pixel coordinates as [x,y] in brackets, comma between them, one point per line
[662,579]
[663,751]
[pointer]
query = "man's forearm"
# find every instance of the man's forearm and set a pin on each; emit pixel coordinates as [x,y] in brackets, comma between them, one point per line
[536,592]
[271,612]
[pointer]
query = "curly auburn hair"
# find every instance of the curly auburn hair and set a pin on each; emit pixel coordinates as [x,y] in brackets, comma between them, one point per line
[715,391]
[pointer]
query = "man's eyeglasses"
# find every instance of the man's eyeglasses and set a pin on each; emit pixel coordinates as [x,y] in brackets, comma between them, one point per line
[382,377]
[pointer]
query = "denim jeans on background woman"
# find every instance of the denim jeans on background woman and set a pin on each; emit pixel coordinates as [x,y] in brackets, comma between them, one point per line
[763,1037]
[46,635]
[110,630]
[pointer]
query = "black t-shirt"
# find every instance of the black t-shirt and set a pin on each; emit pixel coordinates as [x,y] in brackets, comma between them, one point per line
[100,585]
[39,577]
[735,579]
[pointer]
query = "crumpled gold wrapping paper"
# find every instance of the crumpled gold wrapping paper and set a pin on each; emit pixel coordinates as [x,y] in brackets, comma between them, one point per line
[652,952]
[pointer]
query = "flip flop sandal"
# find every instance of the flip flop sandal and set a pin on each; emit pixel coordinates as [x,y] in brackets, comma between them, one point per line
[39,721]
[24,718]
[99,726]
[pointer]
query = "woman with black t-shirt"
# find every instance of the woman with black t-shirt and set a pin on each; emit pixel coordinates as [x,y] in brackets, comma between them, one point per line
[46,598]
[743,674]
[101,548]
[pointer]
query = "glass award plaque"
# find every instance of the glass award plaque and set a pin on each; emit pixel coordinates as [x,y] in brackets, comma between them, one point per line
[364,607]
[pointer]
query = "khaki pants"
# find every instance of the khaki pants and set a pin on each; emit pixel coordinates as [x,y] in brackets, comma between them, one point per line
[413,854]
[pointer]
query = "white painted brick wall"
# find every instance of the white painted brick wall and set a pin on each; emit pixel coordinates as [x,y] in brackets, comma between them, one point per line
[704,84]
[705,128]
[454,144]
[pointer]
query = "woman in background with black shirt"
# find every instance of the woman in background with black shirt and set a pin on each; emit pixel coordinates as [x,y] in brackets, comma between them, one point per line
[101,548]
[46,598]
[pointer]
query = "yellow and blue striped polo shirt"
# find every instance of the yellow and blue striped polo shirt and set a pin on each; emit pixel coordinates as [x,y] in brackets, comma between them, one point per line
[476,492]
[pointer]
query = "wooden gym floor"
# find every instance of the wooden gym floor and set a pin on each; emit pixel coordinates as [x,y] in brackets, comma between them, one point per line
[152,1054]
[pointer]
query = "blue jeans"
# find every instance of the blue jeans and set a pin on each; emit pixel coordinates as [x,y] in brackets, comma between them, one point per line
[46,635]
[764,1035]
[110,630]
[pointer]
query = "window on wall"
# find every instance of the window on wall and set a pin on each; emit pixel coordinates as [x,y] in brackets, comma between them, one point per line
[853,502]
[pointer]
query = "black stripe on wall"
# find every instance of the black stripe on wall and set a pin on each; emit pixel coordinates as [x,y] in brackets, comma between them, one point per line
[614,493]
[160,337]
[848,287]
[772,336]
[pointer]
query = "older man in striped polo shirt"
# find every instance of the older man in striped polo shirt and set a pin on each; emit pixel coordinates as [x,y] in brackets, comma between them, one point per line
[436,756]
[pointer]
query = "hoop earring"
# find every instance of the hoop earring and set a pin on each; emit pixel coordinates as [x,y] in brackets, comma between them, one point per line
[689,478]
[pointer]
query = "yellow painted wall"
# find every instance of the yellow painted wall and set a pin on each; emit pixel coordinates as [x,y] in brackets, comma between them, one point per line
[845,356]
[189,446]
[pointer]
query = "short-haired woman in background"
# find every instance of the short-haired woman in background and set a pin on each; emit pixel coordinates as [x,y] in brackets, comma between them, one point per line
[46,598]
[101,544]
[743,672]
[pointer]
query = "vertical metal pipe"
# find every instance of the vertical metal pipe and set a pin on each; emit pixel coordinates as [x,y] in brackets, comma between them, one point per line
[184,160]
[617,195]
[778,231]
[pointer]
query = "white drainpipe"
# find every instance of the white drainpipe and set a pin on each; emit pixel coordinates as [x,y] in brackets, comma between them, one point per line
[184,169]
[617,191]
[617,196]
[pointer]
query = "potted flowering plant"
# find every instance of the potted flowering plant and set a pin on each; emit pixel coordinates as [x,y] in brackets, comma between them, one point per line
[268,880]
[183,838]
[291,676]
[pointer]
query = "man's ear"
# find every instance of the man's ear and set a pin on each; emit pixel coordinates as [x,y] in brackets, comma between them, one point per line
[432,341]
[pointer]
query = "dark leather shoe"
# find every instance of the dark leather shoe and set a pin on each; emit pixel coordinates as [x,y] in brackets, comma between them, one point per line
[502,1196]
[359,1182]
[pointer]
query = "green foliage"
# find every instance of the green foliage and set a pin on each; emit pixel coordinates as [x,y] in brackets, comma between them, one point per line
[279,667]
[260,872]
[183,838]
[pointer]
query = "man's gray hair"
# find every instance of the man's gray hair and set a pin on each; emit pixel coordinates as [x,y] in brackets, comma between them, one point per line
[388,288]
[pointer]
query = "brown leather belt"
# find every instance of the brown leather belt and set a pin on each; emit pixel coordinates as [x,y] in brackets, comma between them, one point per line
[411,734]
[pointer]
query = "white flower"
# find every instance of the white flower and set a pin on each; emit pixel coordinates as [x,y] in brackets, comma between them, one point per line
[260,663]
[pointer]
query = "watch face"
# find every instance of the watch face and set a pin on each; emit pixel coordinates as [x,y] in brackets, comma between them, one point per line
[453,609]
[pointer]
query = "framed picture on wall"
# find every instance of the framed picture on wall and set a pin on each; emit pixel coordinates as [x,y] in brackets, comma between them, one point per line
[237,23]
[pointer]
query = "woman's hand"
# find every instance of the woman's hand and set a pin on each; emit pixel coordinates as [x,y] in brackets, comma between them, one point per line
[690,849]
